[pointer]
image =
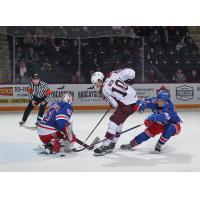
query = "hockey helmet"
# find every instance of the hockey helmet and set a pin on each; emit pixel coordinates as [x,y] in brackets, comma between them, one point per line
[68,98]
[35,76]
[96,77]
[163,95]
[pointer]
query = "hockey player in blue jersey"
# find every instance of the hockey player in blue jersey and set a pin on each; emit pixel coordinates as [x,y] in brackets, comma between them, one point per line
[164,120]
[55,130]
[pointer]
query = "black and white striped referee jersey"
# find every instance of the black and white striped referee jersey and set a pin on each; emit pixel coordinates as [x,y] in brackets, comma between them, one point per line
[40,91]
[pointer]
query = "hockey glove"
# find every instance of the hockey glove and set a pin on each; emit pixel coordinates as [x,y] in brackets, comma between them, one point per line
[139,106]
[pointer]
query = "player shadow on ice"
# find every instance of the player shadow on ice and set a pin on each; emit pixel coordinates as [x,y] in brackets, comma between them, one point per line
[15,152]
[144,158]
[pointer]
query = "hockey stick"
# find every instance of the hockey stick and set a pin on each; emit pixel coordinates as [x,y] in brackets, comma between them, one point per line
[83,143]
[87,146]
[92,145]
[97,125]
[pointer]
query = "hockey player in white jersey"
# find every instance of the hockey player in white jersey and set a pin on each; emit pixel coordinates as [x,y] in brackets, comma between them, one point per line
[116,90]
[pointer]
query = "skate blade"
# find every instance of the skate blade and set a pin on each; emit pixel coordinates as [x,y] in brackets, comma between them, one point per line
[130,149]
[109,151]
[155,152]
[99,154]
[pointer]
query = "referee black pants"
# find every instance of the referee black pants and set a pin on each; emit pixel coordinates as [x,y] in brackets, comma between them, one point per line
[30,107]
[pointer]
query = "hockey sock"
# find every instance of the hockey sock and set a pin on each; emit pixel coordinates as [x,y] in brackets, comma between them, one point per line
[111,132]
[109,138]
[142,137]
[169,131]
[116,137]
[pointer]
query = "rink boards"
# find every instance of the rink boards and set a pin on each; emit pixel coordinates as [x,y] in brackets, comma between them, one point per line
[15,97]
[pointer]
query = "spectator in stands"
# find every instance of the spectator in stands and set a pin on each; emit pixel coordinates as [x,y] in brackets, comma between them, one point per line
[52,41]
[46,66]
[63,45]
[86,31]
[179,76]
[194,77]
[176,38]
[152,76]
[32,55]
[180,45]
[187,37]
[19,53]
[28,40]
[77,78]
[107,53]
[191,46]
[23,72]
[155,37]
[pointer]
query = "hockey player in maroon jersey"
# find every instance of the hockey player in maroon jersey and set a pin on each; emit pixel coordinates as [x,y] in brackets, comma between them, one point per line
[116,90]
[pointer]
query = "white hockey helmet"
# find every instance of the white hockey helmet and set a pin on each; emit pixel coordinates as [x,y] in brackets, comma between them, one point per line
[97,76]
[67,97]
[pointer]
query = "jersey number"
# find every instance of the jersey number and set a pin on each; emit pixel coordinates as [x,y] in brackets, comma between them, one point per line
[48,115]
[122,86]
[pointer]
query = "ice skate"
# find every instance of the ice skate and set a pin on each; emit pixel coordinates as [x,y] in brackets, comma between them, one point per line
[158,148]
[21,123]
[126,146]
[111,147]
[101,150]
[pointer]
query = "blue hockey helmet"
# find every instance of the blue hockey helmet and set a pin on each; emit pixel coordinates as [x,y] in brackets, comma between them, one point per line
[163,95]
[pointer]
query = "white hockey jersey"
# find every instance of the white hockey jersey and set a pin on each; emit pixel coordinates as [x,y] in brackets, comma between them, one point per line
[116,90]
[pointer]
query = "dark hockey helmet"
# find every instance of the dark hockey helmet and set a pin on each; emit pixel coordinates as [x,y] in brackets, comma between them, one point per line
[35,76]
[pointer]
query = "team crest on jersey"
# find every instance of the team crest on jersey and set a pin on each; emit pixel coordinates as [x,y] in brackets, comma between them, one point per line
[69,111]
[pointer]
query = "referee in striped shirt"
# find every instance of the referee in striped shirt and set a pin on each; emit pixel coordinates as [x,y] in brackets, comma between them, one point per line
[39,93]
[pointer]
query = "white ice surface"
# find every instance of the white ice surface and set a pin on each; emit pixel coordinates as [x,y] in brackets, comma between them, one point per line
[181,153]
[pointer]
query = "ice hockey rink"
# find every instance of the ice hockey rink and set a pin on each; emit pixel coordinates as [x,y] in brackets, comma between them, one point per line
[19,146]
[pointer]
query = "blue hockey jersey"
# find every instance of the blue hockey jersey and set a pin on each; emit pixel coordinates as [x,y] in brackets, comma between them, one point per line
[56,118]
[166,114]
